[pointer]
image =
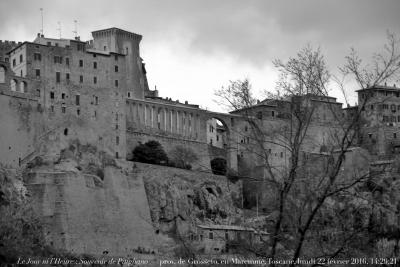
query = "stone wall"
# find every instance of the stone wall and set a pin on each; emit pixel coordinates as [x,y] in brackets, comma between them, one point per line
[87,215]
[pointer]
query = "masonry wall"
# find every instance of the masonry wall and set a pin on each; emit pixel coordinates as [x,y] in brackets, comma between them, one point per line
[87,215]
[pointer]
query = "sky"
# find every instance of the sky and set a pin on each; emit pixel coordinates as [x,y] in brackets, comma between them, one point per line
[192,48]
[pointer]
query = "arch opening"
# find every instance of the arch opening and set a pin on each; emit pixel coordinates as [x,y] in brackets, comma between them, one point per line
[2,74]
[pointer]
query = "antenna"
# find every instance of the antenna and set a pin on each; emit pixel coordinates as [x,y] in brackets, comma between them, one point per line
[41,13]
[76,28]
[59,28]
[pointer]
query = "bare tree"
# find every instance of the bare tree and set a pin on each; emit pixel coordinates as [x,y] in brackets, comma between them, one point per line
[302,197]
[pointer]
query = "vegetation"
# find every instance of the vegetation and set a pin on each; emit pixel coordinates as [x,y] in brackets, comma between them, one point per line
[318,210]
[182,157]
[151,152]
[20,230]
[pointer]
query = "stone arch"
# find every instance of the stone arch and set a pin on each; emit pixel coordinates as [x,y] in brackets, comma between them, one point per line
[2,74]
[13,85]
[225,146]
[22,86]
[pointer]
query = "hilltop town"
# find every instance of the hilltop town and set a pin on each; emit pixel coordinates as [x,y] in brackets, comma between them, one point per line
[73,112]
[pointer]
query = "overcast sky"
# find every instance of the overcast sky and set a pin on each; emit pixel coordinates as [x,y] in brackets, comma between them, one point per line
[193,47]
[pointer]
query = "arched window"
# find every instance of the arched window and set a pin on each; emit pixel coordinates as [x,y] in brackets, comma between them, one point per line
[22,87]
[2,74]
[13,85]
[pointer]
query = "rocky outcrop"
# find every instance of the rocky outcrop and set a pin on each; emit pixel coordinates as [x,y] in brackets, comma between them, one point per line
[180,199]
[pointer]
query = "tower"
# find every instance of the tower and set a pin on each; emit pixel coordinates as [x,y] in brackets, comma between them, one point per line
[126,44]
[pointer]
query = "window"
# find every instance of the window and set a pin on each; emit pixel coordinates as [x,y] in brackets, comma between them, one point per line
[37,57]
[80,63]
[372,107]
[78,112]
[94,65]
[63,109]
[394,135]
[116,57]
[259,115]
[96,100]
[57,59]
[77,100]
[38,92]
[281,154]
[226,235]
[67,61]
[95,114]
[52,108]
[273,113]
[21,58]
[129,94]
[116,126]
[14,62]
[94,79]
[211,235]
[370,135]
[67,77]
[116,83]
[81,78]
[52,95]
[63,96]
[48,43]
[117,140]
[245,128]
[66,131]
[105,48]
[58,77]
[116,155]
[116,68]
[37,72]
[126,51]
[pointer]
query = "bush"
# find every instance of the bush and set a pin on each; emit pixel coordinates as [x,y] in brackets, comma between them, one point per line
[151,152]
[218,166]
[182,157]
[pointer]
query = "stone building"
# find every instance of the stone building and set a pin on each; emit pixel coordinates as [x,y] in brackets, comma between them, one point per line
[380,119]
[95,92]
[218,239]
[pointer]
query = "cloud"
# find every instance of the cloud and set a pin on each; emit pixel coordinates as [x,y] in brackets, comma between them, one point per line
[230,37]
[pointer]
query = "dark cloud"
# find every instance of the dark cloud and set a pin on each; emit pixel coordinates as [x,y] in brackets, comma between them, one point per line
[253,31]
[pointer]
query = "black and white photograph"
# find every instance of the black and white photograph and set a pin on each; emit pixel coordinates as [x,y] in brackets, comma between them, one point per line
[187,133]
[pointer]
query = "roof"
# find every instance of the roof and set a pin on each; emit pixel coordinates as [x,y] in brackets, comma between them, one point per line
[116,30]
[381,87]
[231,227]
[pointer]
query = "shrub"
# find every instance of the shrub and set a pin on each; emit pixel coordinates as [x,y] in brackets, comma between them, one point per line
[151,152]
[218,166]
[182,157]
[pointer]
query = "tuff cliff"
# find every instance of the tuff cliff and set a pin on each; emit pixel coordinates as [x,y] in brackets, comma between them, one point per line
[93,204]
[180,199]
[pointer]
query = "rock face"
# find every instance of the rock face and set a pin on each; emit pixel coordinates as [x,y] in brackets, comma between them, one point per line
[180,199]
[87,215]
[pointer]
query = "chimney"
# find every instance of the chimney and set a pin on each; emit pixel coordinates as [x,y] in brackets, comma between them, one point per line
[38,35]
[42,35]
[186,102]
